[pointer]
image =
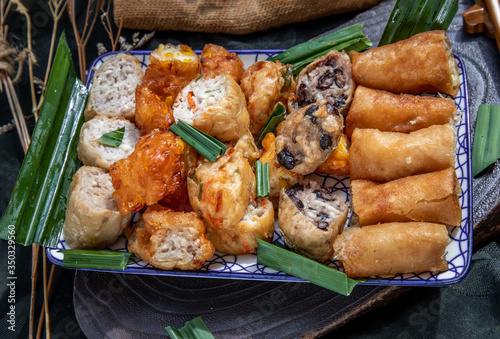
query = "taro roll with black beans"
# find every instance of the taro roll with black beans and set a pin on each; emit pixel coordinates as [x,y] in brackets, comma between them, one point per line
[310,218]
[309,136]
[328,77]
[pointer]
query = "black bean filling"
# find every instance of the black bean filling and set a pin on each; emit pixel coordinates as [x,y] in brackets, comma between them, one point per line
[303,98]
[339,78]
[326,141]
[323,195]
[339,102]
[286,159]
[326,80]
[310,111]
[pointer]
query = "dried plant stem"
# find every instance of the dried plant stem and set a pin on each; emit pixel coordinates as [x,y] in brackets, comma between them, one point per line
[57,9]
[17,112]
[106,22]
[31,57]
[46,296]
[34,278]
[42,313]
[83,38]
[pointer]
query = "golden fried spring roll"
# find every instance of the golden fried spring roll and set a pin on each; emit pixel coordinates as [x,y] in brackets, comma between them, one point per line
[391,112]
[387,249]
[431,197]
[422,63]
[386,156]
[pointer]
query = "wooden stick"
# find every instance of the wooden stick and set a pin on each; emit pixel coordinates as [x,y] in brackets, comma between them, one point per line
[493,7]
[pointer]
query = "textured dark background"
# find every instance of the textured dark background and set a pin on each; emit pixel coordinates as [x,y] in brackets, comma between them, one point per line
[123,306]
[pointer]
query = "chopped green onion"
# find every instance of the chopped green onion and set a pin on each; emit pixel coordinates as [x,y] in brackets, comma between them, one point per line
[304,268]
[193,329]
[486,147]
[113,138]
[411,17]
[272,122]
[348,38]
[35,213]
[206,145]
[95,259]
[263,184]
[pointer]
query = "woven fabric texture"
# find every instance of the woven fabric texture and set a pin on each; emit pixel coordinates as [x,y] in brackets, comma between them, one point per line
[226,16]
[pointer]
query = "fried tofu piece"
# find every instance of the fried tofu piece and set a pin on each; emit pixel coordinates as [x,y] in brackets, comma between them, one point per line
[264,84]
[155,169]
[216,60]
[170,240]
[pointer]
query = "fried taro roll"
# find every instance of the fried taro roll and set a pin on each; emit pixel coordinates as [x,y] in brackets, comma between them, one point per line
[216,60]
[310,218]
[386,156]
[265,83]
[328,77]
[421,63]
[168,240]
[431,197]
[215,105]
[387,249]
[309,136]
[391,112]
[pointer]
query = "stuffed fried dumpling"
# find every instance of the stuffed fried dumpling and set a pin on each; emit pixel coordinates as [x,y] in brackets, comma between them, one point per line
[215,105]
[310,218]
[329,77]
[309,136]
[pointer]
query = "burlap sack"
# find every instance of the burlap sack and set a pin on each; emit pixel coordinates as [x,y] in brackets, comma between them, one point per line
[226,16]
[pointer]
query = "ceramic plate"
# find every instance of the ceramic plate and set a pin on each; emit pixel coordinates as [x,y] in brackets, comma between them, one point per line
[246,267]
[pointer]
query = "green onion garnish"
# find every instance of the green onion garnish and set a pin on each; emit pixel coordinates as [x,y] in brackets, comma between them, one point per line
[349,38]
[411,17]
[274,119]
[193,329]
[262,174]
[486,147]
[206,145]
[37,206]
[304,268]
[96,259]
[113,138]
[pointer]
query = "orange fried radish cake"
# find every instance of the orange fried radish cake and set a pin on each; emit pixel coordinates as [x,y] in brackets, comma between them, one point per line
[221,191]
[155,169]
[92,217]
[258,222]
[113,87]
[215,105]
[92,152]
[309,136]
[151,111]
[171,68]
[265,83]
[216,60]
[310,218]
[170,240]
[279,176]
[328,77]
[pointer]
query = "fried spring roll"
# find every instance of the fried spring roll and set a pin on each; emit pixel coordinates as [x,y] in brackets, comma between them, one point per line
[422,63]
[387,249]
[386,156]
[391,112]
[431,197]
